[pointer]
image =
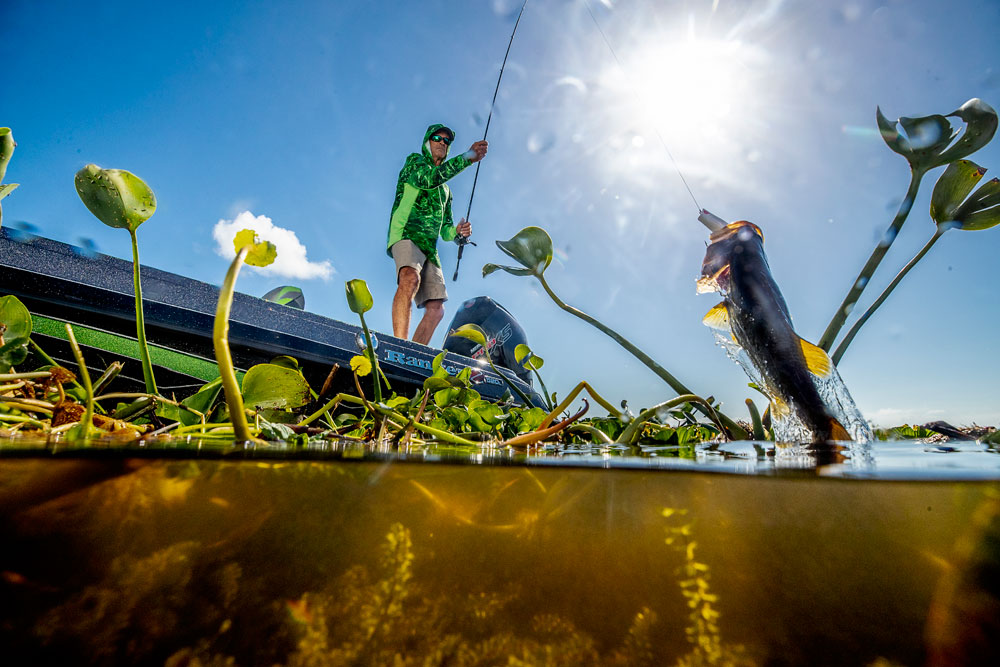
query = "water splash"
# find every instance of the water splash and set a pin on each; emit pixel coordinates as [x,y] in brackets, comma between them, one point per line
[788,427]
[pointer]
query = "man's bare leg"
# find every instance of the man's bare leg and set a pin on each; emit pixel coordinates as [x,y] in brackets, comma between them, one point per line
[407,283]
[433,313]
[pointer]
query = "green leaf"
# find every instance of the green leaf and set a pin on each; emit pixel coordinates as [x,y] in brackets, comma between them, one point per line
[361,365]
[456,417]
[438,360]
[952,188]
[490,268]
[202,401]
[488,412]
[7,145]
[275,432]
[12,353]
[7,188]
[434,383]
[286,361]
[928,140]
[531,248]
[445,396]
[530,419]
[982,209]
[14,318]
[359,299]
[525,357]
[117,198]
[271,386]
[951,203]
[471,331]
[262,253]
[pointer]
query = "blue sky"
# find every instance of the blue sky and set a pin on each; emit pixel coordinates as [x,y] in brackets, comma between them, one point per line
[303,113]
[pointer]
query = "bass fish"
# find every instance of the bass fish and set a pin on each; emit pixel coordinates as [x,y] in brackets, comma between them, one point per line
[755,316]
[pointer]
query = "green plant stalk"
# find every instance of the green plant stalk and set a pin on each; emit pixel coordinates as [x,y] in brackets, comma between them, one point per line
[331,404]
[630,433]
[734,430]
[87,423]
[758,425]
[18,419]
[545,392]
[140,324]
[33,375]
[373,358]
[153,397]
[885,295]
[220,339]
[612,410]
[597,434]
[521,394]
[864,277]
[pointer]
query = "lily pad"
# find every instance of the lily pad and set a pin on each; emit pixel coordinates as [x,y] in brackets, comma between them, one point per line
[271,386]
[118,198]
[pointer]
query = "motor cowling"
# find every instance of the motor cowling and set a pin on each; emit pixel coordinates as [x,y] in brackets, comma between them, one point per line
[503,334]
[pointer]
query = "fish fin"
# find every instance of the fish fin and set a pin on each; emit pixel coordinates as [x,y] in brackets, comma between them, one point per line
[718,317]
[780,409]
[817,360]
[837,431]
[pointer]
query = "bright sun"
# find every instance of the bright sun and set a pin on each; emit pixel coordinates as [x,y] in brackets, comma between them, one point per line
[699,95]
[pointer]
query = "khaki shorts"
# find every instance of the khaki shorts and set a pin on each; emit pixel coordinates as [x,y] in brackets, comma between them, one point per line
[431,286]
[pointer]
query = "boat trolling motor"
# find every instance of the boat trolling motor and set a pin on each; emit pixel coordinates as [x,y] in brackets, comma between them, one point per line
[503,334]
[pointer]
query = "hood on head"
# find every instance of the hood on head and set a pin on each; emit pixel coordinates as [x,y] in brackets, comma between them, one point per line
[426,149]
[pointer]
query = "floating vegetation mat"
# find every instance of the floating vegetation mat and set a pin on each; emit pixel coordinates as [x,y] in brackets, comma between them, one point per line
[119,559]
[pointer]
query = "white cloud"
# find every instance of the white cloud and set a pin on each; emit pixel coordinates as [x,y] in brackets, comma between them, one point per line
[291,261]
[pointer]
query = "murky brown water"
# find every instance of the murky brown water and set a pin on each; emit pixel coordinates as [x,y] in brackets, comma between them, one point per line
[187,561]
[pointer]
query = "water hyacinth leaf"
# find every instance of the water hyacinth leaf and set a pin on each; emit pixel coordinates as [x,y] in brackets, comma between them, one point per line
[488,412]
[7,145]
[982,209]
[12,353]
[527,358]
[529,420]
[952,188]
[492,268]
[361,365]
[116,197]
[531,248]
[261,253]
[14,318]
[359,298]
[6,189]
[434,383]
[928,139]
[471,331]
[202,401]
[437,361]
[271,386]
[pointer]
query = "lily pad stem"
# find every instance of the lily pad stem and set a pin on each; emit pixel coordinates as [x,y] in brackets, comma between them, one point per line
[733,429]
[861,282]
[140,325]
[632,431]
[885,295]
[220,337]
[87,423]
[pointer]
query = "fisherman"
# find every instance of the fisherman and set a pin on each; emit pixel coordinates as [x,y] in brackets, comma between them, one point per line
[421,213]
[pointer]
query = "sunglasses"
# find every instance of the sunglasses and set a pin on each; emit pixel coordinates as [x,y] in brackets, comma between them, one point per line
[441,137]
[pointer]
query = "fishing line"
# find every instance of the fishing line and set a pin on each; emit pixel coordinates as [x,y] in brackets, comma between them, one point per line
[465,241]
[641,104]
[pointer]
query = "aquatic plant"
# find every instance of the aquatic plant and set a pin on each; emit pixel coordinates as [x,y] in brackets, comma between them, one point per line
[7,145]
[952,207]
[475,333]
[15,332]
[256,253]
[526,357]
[928,142]
[359,300]
[532,249]
[121,199]
[702,631]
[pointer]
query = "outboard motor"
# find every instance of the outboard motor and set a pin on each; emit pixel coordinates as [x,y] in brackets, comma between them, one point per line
[503,334]
[287,296]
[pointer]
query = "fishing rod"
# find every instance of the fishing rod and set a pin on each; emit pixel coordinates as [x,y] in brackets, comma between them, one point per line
[710,220]
[464,241]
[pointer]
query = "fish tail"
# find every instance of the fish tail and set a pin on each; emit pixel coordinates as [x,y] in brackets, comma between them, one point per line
[837,431]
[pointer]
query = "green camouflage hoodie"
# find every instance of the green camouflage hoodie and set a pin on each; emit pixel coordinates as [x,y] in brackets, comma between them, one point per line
[422,210]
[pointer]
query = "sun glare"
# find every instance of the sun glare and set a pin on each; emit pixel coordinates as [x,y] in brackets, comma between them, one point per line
[699,95]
